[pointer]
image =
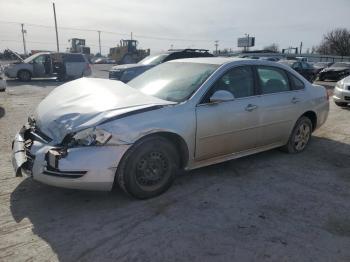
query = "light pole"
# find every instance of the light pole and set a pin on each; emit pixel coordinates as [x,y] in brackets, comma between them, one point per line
[247,45]
[24,40]
[99,41]
[54,14]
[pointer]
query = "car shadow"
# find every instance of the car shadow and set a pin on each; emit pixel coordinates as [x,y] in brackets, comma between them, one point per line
[84,225]
[51,82]
[2,112]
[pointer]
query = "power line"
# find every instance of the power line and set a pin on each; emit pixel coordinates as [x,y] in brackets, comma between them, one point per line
[161,38]
[49,43]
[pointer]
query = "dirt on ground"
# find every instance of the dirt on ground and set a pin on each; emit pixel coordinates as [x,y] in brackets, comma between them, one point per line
[267,207]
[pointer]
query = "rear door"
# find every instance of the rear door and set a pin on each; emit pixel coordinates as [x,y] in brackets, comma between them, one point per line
[281,97]
[228,127]
[75,64]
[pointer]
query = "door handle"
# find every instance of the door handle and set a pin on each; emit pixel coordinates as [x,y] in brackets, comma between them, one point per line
[295,100]
[251,107]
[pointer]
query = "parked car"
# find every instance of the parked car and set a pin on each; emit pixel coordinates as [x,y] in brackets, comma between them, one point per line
[321,65]
[127,72]
[184,114]
[341,95]
[47,65]
[2,80]
[336,71]
[270,58]
[303,68]
[302,58]
[104,60]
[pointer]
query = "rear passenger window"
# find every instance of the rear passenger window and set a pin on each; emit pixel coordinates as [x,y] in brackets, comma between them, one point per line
[74,58]
[297,84]
[272,80]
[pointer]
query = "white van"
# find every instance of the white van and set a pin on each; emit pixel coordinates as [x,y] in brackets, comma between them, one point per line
[48,64]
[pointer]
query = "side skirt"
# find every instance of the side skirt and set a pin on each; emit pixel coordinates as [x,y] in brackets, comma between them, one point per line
[220,159]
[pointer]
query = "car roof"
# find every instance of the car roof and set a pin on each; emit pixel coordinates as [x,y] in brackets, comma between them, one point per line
[221,61]
[211,60]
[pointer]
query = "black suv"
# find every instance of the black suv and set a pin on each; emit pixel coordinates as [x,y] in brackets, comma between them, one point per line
[127,72]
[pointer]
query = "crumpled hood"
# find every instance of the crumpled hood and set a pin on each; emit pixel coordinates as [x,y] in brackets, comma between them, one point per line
[335,69]
[86,102]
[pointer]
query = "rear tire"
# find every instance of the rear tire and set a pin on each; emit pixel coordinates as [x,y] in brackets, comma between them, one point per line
[341,104]
[148,168]
[299,137]
[24,75]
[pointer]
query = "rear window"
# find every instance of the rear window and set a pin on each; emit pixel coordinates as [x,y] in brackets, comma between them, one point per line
[297,84]
[272,80]
[74,58]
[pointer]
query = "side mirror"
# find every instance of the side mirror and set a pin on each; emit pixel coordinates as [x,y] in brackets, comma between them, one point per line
[221,96]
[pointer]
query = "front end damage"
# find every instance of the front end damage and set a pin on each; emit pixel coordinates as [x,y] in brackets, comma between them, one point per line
[89,167]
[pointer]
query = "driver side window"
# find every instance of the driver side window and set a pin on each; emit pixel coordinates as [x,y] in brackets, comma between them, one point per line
[239,81]
[40,59]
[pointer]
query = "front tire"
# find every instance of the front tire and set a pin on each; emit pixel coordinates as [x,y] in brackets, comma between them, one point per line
[149,167]
[24,76]
[299,137]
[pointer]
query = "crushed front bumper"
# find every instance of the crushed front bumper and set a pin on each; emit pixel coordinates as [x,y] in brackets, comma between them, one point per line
[22,159]
[89,168]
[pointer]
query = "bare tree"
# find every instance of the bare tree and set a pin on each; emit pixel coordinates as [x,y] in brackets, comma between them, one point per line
[335,42]
[273,47]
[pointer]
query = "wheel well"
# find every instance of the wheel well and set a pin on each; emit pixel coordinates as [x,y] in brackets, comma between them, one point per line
[179,143]
[313,117]
[21,70]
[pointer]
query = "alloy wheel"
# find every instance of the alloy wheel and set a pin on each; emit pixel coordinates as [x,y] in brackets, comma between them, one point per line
[302,137]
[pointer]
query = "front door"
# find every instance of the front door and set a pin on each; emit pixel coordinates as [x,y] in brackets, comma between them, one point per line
[39,66]
[228,127]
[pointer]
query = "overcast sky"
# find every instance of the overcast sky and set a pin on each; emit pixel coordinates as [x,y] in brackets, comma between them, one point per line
[181,23]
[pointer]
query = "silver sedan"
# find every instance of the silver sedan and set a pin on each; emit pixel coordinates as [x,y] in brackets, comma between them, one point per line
[341,95]
[184,114]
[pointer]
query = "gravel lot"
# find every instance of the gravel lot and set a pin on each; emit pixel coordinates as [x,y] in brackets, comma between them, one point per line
[268,207]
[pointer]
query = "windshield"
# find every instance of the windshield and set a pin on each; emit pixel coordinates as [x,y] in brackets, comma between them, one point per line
[32,57]
[153,59]
[341,65]
[174,81]
[320,64]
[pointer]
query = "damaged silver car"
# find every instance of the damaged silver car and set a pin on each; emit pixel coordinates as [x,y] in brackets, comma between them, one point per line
[184,114]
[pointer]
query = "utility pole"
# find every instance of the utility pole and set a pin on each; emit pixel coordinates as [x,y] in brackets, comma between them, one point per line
[54,14]
[24,40]
[216,46]
[248,43]
[99,41]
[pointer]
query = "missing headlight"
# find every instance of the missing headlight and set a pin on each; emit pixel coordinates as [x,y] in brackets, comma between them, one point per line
[90,137]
